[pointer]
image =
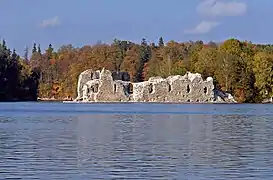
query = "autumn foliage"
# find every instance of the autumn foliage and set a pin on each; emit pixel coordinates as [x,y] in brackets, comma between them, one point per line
[240,67]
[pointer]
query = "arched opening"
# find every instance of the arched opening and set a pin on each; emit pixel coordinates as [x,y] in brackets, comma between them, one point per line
[95,88]
[130,88]
[205,90]
[188,89]
[151,88]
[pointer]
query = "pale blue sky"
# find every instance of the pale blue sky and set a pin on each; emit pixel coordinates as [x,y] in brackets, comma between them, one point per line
[87,21]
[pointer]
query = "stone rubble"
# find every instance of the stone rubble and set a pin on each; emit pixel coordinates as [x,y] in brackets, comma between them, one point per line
[105,86]
[268,100]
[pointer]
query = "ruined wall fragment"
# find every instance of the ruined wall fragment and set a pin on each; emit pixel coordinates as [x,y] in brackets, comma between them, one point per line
[84,77]
[105,86]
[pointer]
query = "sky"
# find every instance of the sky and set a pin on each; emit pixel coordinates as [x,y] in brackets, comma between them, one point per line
[83,22]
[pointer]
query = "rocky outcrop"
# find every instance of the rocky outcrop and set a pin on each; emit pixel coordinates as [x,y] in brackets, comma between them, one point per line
[220,96]
[105,86]
[268,100]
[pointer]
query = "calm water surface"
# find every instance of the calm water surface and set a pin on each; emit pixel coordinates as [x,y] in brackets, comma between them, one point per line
[135,141]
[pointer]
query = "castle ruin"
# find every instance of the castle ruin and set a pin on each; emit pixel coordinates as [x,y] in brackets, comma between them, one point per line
[105,86]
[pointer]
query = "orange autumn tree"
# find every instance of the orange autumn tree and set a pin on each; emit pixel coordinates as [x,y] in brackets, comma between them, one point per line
[234,64]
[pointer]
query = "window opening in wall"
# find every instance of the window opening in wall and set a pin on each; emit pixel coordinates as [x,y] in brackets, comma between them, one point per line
[205,90]
[151,88]
[130,88]
[95,88]
[96,75]
[170,87]
[189,100]
[91,75]
[188,89]
[115,88]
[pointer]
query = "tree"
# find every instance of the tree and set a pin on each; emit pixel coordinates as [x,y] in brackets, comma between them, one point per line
[263,70]
[39,49]
[161,42]
[155,65]
[145,55]
[225,70]
[119,49]
[232,46]
[194,48]
[206,62]
[4,46]
[14,73]
[34,49]
[26,54]
[49,51]
[131,62]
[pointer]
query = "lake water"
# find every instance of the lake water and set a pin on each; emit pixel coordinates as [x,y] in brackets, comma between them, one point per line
[136,141]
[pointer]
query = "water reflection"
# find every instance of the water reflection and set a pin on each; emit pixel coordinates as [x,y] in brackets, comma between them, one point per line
[137,146]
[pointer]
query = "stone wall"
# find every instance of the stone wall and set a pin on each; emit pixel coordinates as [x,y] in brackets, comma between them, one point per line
[106,86]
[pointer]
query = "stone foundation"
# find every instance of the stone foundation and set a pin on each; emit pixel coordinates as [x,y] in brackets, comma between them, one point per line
[100,86]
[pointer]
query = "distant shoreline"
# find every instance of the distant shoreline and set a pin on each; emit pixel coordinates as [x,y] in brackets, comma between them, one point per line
[108,102]
[131,102]
[55,100]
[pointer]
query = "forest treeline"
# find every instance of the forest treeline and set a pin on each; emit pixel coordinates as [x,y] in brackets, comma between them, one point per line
[241,68]
[18,81]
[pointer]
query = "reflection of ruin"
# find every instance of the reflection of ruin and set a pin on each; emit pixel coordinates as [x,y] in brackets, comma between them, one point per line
[200,139]
[105,86]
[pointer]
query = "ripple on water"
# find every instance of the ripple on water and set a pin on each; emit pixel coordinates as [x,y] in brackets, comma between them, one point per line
[208,142]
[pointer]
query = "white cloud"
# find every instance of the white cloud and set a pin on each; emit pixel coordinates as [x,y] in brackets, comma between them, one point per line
[50,22]
[217,8]
[203,28]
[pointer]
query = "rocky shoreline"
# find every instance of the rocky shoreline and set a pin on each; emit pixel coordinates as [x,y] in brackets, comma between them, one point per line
[54,99]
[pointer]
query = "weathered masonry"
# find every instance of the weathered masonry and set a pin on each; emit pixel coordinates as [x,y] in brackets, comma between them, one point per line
[105,86]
